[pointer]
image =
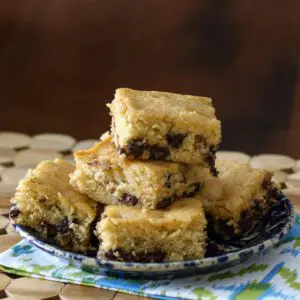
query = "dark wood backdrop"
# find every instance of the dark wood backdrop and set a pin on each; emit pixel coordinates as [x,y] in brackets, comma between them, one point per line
[60,62]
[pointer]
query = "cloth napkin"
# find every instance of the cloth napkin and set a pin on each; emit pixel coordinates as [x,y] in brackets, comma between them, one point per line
[271,275]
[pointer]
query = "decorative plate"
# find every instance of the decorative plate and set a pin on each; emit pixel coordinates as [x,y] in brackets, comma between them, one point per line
[220,254]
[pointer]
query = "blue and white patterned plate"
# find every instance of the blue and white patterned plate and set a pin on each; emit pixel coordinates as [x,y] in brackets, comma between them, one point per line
[275,226]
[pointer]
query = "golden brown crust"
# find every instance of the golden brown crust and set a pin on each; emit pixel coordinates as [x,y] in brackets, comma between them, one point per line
[46,202]
[188,113]
[51,179]
[109,178]
[177,233]
[233,193]
[154,118]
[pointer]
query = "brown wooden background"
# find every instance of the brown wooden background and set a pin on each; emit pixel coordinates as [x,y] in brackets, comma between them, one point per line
[60,62]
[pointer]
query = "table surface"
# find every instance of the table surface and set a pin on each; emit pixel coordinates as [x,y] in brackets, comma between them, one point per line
[11,285]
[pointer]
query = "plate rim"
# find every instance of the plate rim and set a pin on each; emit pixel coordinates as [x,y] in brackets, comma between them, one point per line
[161,266]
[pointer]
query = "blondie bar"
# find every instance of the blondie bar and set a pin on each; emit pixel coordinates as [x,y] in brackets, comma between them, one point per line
[165,126]
[237,200]
[47,203]
[132,234]
[110,179]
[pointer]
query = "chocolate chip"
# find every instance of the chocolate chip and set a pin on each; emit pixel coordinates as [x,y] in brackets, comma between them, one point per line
[168,181]
[100,210]
[165,202]
[214,171]
[75,221]
[195,189]
[197,186]
[14,211]
[199,141]
[122,150]
[248,222]
[63,226]
[210,159]
[267,183]
[252,217]
[135,148]
[175,139]
[51,230]
[273,193]
[138,147]
[129,199]
[159,153]
[120,254]
[168,184]
[223,227]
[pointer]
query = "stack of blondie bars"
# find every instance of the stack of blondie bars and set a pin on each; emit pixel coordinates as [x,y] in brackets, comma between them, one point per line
[144,193]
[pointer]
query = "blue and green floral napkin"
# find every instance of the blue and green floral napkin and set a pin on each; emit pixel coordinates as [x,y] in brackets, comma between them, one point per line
[270,275]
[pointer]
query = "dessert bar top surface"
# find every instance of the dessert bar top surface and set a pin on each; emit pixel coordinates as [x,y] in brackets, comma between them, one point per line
[51,180]
[104,154]
[185,212]
[162,105]
[241,176]
[235,189]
